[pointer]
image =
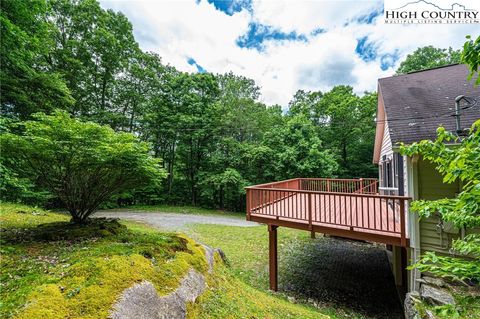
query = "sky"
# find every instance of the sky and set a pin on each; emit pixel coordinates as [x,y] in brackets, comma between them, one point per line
[283,45]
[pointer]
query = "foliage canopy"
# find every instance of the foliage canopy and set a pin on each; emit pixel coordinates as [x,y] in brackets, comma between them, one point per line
[471,56]
[428,57]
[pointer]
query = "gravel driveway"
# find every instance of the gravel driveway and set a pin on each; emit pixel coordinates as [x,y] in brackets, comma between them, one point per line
[175,221]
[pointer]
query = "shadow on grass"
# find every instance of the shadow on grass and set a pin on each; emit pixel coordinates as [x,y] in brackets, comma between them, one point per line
[64,231]
[341,273]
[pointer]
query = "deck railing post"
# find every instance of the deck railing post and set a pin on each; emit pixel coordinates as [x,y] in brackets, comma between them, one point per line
[249,202]
[361,186]
[273,266]
[310,211]
[403,237]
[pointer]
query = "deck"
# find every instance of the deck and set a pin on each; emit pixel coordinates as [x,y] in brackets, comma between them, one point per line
[350,208]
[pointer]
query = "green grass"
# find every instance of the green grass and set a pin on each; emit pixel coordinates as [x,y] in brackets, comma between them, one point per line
[178,210]
[54,269]
[231,297]
[246,249]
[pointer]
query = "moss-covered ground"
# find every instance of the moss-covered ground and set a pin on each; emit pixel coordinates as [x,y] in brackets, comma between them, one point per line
[51,268]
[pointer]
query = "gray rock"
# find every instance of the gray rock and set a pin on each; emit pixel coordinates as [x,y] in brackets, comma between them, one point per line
[429,315]
[436,296]
[143,302]
[411,299]
[210,256]
[434,281]
[192,286]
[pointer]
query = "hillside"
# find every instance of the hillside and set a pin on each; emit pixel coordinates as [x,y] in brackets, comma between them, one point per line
[54,269]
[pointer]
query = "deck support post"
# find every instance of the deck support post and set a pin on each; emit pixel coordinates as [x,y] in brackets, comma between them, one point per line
[273,265]
[312,234]
[404,265]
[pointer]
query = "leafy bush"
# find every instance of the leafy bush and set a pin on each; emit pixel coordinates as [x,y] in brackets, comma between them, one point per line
[471,56]
[81,163]
[455,162]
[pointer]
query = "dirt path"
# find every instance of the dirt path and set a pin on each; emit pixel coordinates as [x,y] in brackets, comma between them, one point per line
[175,221]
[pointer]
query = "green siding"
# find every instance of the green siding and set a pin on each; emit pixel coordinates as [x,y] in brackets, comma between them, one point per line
[430,187]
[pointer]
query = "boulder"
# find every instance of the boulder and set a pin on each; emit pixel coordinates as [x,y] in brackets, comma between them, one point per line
[143,301]
[436,296]
[411,311]
[434,281]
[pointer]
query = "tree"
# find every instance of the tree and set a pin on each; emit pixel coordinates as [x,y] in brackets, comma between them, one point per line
[462,163]
[298,151]
[27,84]
[428,57]
[93,49]
[471,56]
[81,163]
[345,123]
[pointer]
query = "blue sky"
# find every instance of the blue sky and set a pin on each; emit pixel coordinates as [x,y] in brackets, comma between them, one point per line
[283,45]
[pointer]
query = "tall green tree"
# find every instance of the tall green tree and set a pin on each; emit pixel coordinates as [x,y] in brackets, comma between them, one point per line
[345,123]
[298,151]
[428,57]
[93,48]
[27,84]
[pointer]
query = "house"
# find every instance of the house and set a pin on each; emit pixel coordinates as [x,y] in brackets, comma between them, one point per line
[410,109]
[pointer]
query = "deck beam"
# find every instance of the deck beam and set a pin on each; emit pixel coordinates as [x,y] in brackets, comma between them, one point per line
[273,264]
[339,232]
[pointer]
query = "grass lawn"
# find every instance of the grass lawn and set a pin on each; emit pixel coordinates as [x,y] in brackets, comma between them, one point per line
[53,269]
[246,248]
[247,253]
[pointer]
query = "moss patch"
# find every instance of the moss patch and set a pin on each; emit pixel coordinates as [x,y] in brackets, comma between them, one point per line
[53,269]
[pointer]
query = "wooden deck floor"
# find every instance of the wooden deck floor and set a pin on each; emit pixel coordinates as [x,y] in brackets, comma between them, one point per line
[369,218]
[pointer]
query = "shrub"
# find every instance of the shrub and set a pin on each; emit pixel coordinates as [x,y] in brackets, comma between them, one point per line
[81,163]
[455,162]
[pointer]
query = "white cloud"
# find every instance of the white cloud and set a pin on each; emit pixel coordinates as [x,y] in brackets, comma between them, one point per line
[177,30]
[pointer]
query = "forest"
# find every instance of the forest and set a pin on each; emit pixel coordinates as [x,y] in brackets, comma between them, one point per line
[211,133]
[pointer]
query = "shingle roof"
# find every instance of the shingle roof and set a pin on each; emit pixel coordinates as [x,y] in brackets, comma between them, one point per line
[417,103]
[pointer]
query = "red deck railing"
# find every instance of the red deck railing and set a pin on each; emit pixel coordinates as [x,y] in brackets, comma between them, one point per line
[348,207]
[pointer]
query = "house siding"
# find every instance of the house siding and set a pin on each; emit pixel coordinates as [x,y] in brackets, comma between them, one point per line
[431,187]
[386,143]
